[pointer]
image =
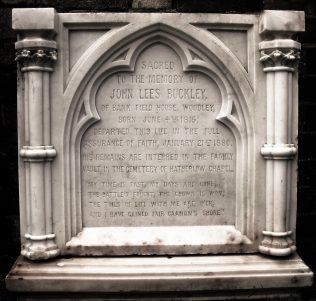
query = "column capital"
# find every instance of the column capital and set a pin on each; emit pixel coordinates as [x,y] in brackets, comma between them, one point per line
[34,58]
[36,29]
[278,50]
[279,58]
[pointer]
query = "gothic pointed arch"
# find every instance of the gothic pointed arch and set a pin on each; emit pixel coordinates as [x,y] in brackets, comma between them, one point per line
[199,52]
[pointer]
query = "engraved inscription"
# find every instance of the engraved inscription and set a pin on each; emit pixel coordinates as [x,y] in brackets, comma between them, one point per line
[158,156]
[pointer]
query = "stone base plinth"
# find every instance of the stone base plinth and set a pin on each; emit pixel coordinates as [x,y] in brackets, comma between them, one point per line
[218,277]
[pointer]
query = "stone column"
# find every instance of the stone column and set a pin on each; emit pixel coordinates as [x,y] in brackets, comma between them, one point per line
[279,54]
[36,54]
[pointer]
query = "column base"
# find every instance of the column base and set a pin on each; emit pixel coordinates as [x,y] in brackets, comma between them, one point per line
[40,251]
[277,243]
[277,251]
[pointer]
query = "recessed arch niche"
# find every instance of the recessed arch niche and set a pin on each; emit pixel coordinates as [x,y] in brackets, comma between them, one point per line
[230,231]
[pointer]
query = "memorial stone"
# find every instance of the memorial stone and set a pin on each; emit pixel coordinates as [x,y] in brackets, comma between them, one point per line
[157,134]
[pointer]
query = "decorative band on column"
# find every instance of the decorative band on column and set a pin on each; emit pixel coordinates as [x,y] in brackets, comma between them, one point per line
[39,237]
[278,68]
[38,153]
[277,234]
[278,151]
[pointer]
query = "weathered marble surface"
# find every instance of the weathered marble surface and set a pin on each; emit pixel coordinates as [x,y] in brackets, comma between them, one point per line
[167,134]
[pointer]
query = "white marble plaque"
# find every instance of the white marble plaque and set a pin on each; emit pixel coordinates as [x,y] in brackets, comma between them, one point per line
[157,133]
[158,156]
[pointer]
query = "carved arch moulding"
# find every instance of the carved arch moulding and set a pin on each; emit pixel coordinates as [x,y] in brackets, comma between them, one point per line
[240,103]
[235,122]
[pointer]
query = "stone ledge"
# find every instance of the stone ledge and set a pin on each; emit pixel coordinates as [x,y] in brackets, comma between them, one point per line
[183,240]
[158,274]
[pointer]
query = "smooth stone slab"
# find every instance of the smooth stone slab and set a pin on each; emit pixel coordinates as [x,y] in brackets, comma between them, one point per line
[158,274]
[158,240]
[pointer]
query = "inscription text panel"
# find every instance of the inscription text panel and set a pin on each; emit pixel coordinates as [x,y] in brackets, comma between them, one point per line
[158,156]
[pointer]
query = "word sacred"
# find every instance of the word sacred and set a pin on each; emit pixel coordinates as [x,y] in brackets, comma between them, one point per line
[157,65]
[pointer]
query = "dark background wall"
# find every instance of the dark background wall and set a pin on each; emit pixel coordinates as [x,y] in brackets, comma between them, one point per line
[9,204]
